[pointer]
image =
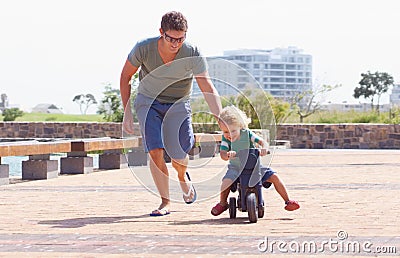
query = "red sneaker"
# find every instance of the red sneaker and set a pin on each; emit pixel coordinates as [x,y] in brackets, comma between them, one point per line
[291,205]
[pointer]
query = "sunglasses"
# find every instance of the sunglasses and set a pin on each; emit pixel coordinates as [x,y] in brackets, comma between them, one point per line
[174,40]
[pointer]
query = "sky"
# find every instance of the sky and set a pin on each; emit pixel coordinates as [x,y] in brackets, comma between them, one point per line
[53,50]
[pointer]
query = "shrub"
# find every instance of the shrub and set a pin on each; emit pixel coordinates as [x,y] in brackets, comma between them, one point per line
[10,114]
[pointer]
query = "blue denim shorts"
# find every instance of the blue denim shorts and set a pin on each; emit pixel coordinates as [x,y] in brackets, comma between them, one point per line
[233,174]
[165,125]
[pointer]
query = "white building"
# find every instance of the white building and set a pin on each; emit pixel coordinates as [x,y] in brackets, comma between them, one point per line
[46,108]
[395,95]
[358,107]
[283,72]
[3,102]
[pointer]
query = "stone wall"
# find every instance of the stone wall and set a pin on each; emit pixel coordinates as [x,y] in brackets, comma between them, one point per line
[340,136]
[59,130]
[311,136]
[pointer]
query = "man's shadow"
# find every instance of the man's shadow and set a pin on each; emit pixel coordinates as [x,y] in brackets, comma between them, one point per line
[81,222]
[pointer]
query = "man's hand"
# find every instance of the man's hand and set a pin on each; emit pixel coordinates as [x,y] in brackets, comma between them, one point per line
[127,125]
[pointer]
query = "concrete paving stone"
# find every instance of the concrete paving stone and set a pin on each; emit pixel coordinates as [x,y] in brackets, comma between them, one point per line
[106,213]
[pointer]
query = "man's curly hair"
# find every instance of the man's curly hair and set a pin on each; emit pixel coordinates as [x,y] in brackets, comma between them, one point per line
[174,21]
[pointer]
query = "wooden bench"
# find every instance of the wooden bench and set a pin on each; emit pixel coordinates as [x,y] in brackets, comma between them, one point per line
[39,165]
[284,144]
[208,144]
[117,153]
[78,161]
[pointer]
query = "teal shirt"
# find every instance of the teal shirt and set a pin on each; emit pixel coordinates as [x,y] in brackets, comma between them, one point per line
[167,83]
[246,140]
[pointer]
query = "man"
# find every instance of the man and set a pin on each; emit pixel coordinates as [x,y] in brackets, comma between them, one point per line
[167,67]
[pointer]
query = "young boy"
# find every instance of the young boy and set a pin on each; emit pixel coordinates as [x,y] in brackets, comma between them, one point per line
[237,136]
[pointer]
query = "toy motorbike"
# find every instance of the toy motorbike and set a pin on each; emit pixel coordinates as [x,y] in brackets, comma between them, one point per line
[249,187]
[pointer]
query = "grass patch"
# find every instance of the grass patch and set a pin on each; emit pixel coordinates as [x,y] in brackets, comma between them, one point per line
[41,117]
[325,117]
[336,117]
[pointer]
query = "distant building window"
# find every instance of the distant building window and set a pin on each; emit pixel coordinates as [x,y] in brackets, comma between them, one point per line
[256,66]
[277,86]
[245,66]
[275,79]
[276,73]
[276,66]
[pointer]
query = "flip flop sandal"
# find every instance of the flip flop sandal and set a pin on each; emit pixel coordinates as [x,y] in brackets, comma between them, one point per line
[160,212]
[186,196]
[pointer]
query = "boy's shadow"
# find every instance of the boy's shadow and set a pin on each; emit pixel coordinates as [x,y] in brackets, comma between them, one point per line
[238,220]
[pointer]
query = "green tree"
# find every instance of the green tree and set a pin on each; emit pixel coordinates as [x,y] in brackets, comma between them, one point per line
[200,111]
[394,115]
[373,85]
[281,109]
[111,105]
[10,114]
[84,102]
[261,107]
[308,102]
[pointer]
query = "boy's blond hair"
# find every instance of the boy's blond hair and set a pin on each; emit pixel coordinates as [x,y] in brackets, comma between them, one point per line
[232,115]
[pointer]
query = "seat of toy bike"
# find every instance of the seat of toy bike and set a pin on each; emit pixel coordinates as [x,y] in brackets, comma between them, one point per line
[249,158]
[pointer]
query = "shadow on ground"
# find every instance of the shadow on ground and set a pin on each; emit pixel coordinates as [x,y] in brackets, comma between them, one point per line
[237,220]
[81,222]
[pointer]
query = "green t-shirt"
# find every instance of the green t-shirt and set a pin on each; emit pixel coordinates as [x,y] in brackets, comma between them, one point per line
[246,141]
[167,83]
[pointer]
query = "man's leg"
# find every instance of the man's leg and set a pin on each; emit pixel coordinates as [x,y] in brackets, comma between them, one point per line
[180,166]
[160,174]
[178,139]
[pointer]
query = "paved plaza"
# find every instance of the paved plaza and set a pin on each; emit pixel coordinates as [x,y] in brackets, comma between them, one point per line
[350,206]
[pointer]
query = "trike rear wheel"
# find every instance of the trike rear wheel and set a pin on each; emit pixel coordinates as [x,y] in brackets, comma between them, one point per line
[261,210]
[232,207]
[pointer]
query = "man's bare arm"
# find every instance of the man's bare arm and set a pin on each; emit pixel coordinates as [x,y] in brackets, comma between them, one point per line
[210,93]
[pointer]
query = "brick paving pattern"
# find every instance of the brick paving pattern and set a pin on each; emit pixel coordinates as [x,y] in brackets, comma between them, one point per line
[105,214]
